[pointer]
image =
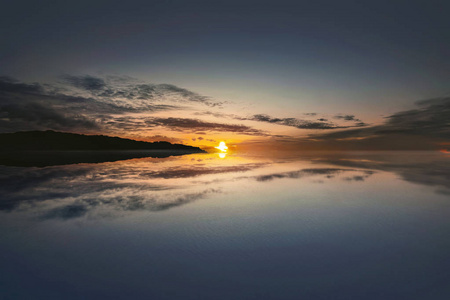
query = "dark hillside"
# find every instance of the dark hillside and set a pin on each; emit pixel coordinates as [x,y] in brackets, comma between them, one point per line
[57,141]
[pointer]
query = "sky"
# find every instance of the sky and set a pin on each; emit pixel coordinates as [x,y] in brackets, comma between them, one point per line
[299,75]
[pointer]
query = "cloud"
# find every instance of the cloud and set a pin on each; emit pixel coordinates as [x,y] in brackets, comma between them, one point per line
[30,116]
[11,85]
[86,82]
[359,123]
[130,89]
[293,122]
[88,104]
[430,120]
[346,117]
[424,128]
[196,125]
[67,212]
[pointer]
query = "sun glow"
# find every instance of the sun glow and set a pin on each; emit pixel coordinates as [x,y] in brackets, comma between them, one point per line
[222,147]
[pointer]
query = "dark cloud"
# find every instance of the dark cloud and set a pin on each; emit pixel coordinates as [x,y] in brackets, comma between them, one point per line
[293,122]
[424,128]
[30,116]
[129,88]
[346,117]
[86,82]
[430,120]
[319,124]
[11,85]
[219,115]
[358,122]
[66,212]
[196,125]
[97,108]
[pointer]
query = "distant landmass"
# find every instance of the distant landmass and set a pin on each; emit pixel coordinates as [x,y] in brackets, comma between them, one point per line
[53,140]
[47,148]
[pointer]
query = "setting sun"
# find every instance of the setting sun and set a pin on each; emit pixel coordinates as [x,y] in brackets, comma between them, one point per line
[222,147]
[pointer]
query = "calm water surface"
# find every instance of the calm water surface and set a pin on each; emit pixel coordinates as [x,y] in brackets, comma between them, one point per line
[311,226]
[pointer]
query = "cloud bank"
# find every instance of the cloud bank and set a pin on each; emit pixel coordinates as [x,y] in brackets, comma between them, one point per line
[429,122]
[88,104]
[120,105]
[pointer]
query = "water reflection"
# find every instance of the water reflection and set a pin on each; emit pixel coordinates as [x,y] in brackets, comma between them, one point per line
[425,168]
[56,158]
[309,226]
[157,184]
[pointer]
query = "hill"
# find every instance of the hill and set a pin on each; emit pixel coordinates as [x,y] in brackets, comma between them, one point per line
[50,148]
[59,141]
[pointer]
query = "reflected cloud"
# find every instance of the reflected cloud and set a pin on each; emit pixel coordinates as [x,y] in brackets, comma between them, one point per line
[303,173]
[151,184]
[156,184]
[194,171]
[124,201]
[425,168]
[57,158]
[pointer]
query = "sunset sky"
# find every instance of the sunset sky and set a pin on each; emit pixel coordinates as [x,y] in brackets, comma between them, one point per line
[297,75]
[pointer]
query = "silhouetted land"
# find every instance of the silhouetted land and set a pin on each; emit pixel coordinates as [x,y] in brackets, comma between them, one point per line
[46,148]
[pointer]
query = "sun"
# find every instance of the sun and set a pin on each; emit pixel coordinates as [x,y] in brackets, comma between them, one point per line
[222,147]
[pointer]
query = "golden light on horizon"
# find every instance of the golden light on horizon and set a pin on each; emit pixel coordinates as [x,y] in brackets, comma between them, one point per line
[222,147]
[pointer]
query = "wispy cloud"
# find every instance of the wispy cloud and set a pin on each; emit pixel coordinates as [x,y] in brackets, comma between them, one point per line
[431,119]
[127,88]
[91,104]
[359,123]
[321,123]
[87,82]
[297,123]
[301,173]
[26,116]
[196,125]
